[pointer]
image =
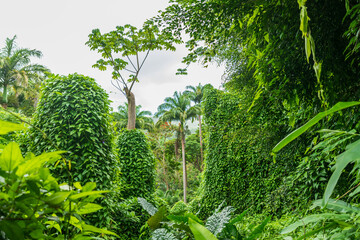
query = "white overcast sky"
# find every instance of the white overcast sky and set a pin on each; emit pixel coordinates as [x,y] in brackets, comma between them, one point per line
[60,28]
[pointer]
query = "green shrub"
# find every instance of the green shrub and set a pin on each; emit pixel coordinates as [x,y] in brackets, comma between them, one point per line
[137,164]
[32,203]
[137,179]
[73,112]
[179,208]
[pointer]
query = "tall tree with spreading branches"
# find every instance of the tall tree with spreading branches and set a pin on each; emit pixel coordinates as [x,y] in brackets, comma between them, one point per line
[121,50]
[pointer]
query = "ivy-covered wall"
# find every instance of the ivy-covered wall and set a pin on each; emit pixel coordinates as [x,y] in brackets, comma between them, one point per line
[238,166]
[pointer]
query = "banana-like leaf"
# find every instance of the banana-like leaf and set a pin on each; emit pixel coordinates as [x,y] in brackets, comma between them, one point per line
[351,154]
[315,218]
[292,136]
[337,205]
[7,127]
[200,232]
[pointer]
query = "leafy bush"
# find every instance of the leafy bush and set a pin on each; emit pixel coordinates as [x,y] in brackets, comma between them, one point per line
[137,164]
[73,112]
[137,179]
[32,203]
[220,225]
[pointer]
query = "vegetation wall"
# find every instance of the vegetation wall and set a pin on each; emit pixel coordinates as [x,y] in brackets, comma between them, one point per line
[238,166]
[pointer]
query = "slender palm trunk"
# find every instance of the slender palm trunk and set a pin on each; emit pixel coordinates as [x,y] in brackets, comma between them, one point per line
[131,109]
[165,172]
[201,145]
[184,164]
[4,95]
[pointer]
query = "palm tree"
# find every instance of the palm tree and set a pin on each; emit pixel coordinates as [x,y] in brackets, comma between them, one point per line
[16,68]
[178,108]
[196,95]
[143,118]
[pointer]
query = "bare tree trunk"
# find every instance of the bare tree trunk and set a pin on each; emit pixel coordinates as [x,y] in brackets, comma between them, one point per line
[201,145]
[131,109]
[184,164]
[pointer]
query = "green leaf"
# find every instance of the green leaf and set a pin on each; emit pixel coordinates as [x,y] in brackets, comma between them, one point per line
[162,234]
[155,220]
[11,229]
[337,205]
[57,198]
[89,208]
[315,218]
[85,194]
[11,157]
[37,162]
[351,154]
[6,127]
[295,134]
[258,230]
[200,232]
[89,228]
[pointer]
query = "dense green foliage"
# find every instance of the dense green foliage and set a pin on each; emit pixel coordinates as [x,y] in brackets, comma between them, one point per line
[74,113]
[137,164]
[32,203]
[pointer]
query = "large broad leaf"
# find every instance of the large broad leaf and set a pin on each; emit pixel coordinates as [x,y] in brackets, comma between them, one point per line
[89,208]
[337,107]
[85,194]
[57,198]
[315,218]
[200,232]
[351,154]
[337,205]
[89,228]
[6,127]
[11,157]
[155,220]
[37,162]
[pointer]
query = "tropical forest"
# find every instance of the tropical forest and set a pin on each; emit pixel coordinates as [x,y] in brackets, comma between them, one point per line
[274,153]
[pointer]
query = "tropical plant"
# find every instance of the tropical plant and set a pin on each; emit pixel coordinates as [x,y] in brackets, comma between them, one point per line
[143,118]
[32,203]
[181,223]
[16,69]
[74,112]
[128,41]
[196,95]
[178,108]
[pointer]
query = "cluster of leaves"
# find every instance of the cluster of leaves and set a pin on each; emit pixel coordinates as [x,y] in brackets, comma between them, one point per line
[137,178]
[180,223]
[74,113]
[32,203]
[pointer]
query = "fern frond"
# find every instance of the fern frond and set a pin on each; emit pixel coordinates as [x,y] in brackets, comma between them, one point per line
[217,222]
[162,234]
